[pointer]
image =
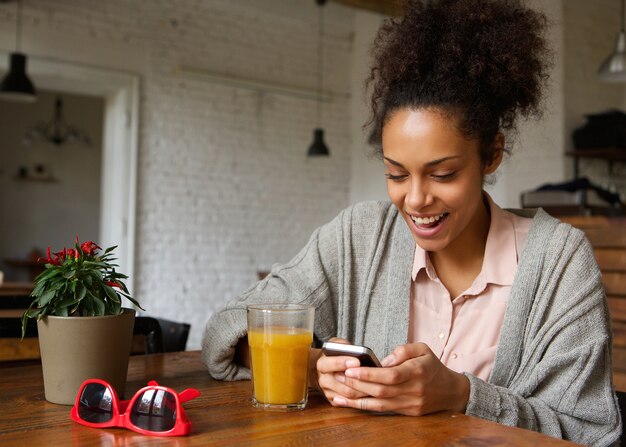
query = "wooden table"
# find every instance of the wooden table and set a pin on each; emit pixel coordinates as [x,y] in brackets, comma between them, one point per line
[223,416]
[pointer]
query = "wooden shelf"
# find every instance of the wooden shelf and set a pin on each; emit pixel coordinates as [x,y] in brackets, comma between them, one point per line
[36,179]
[610,154]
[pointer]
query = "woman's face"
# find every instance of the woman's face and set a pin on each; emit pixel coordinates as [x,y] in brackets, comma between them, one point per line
[435,177]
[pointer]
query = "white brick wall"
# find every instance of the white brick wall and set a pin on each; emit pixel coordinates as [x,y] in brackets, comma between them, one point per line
[225,188]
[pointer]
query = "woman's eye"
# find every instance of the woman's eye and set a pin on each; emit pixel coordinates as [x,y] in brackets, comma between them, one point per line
[443,177]
[395,178]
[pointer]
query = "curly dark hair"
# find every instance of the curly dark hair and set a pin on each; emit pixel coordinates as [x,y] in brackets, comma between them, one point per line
[482,61]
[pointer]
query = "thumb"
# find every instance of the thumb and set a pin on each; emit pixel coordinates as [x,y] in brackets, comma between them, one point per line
[405,352]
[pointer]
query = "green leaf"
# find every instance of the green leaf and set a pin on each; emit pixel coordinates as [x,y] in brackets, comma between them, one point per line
[80,291]
[47,274]
[99,306]
[111,293]
[135,302]
[87,308]
[46,297]
[62,312]
[116,307]
[38,288]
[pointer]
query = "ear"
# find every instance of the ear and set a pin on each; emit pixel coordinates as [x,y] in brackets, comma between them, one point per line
[498,154]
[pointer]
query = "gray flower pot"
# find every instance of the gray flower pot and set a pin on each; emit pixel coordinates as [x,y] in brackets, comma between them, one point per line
[74,349]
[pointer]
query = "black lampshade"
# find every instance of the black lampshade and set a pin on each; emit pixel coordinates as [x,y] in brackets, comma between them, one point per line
[16,86]
[318,147]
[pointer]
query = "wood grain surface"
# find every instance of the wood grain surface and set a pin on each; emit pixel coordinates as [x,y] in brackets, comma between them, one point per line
[223,416]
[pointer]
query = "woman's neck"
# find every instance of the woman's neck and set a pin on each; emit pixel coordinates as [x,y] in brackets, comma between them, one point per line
[458,264]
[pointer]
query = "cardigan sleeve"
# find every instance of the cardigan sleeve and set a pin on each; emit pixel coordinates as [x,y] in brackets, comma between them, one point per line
[309,278]
[562,386]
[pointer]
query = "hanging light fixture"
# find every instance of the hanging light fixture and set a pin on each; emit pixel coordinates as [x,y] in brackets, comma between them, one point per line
[613,69]
[57,131]
[16,86]
[318,147]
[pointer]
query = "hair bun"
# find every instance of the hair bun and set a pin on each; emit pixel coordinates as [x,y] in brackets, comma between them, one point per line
[486,57]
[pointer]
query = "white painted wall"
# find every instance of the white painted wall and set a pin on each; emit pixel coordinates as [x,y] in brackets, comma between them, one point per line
[366,171]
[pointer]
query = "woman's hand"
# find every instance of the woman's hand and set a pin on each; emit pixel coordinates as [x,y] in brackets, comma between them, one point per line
[329,374]
[412,381]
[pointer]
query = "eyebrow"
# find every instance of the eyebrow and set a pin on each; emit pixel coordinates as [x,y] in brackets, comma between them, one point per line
[429,164]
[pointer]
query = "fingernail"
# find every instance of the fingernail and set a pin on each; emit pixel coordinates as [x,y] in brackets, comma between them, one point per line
[340,401]
[389,360]
[352,363]
[353,373]
[340,378]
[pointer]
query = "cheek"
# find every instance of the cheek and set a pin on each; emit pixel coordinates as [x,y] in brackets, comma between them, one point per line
[395,193]
[460,195]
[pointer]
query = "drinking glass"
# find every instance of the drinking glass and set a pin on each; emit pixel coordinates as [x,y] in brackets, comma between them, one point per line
[280,337]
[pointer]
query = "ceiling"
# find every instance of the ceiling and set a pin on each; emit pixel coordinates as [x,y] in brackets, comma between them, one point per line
[385,7]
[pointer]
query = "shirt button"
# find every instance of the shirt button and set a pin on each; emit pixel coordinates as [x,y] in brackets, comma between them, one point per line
[454,356]
[441,335]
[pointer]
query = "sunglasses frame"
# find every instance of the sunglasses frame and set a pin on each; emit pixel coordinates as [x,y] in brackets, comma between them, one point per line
[121,413]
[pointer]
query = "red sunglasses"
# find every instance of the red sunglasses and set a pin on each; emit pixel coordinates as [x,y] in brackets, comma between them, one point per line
[154,410]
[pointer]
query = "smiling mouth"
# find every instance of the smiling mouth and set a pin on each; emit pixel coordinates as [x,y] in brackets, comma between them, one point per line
[429,222]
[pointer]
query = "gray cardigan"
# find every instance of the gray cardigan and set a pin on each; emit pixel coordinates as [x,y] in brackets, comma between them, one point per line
[552,370]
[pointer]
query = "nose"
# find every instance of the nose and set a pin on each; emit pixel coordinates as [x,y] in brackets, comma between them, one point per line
[418,195]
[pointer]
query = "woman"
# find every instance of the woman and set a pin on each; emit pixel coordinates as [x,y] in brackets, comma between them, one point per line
[497,314]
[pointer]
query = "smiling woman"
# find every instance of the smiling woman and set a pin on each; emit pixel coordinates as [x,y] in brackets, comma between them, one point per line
[434,177]
[499,314]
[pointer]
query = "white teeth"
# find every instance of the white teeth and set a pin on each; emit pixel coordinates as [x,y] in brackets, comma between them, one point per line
[426,220]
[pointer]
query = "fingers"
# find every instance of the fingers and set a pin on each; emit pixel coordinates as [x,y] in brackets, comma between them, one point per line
[409,406]
[403,353]
[331,379]
[333,385]
[383,383]
[331,364]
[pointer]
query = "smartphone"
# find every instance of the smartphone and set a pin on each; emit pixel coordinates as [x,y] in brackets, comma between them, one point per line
[365,355]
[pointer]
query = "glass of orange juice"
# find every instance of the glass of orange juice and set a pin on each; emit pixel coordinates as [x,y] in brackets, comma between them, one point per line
[280,336]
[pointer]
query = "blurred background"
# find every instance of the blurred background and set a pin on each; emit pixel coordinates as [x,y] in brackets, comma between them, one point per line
[179,130]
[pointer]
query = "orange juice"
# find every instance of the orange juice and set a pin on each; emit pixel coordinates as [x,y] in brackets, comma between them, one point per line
[280,361]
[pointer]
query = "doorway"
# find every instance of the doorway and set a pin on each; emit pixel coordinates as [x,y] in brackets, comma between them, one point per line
[120,94]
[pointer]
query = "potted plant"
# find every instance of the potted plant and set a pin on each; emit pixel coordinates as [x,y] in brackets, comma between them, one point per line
[84,332]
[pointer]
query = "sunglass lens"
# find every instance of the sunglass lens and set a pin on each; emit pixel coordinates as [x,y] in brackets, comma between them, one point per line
[154,410]
[96,403]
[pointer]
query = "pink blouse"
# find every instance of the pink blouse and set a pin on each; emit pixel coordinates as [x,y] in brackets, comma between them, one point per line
[463,331]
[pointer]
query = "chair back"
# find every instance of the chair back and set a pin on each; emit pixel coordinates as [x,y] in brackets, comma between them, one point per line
[148,330]
[175,335]
[12,348]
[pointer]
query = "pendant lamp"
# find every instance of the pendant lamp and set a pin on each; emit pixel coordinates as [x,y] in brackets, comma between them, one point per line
[16,86]
[318,147]
[613,69]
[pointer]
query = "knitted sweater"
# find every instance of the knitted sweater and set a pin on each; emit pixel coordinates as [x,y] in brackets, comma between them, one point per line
[552,370]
